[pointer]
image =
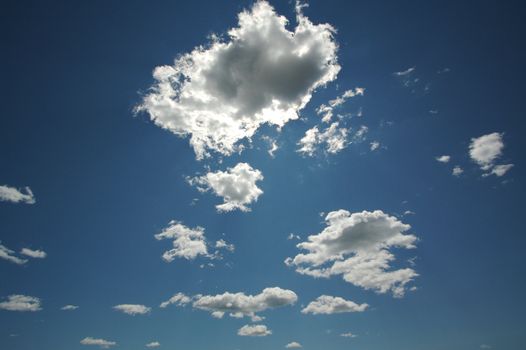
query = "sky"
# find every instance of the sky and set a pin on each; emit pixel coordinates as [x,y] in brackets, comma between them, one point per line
[261,175]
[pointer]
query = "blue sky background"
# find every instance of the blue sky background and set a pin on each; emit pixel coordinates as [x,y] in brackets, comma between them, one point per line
[106,181]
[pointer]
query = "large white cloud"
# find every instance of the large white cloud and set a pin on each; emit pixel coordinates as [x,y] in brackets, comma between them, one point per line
[261,73]
[257,330]
[11,194]
[9,255]
[326,304]
[357,246]
[241,305]
[485,150]
[237,186]
[132,309]
[98,342]
[19,302]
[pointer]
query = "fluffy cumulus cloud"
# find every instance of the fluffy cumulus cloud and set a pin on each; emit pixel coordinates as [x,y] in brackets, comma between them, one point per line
[153,344]
[326,304]
[188,243]
[11,194]
[240,305]
[22,303]
[358,247]
[98,342]
[10,255]
[457,171]
[132,309]
[178,299]
[293,345]
[257,330]
[36,254]
[443,159]
[260,73]
[485,150]
[237,186]
[335,139]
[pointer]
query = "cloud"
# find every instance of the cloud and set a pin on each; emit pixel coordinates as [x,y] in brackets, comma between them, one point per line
[188,243]
[237,186]
[357,246]
[443,159]
[36,254]
[257,330]
[178,299]
[327,110]
[334,137]
[69,307]
[222,244]
[8,254]
[485,150]
[17,302]
[153,344]
[348,335]
[11,194]
[457,171]
[293,345]
[326,304]
[99,342]
[132,309]
[261,73]
[405,72]
[240,305]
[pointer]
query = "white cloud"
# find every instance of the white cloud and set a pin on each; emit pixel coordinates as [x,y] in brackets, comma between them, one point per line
[188,243]
[405,72]
[98,342]
[237,186]
[357,246]
[485,150]
[222,244]
[326,304]
[9,255]
[334,137]
[374,145]
[178,299]
[132,309]
[457,171]
[19,302]
[293,345]
[11,194]
[257,330]
[241,305]
[443,159]
[293,236]
[327,110]
[69,307]
[36,254]
[153,344]
[348,335]
[261,73]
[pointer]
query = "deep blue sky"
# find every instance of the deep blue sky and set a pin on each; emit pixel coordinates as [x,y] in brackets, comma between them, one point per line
[106,180]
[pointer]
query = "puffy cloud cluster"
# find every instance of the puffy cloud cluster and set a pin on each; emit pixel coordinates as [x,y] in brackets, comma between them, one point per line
[334,137]
[98,342]
[11,194]
[237,305]
[9,255]
[261,73]
[326,304]
[257,330]
[188,242]
[357,246]
[17,302]
[237,186]
[485,150]
[132,309]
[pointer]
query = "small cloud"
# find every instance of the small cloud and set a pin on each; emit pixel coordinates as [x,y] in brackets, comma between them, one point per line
[17,302]
[433,111]
[457,171]
[409,212]
[405,72]
[348,335]
[443,159]
[98,342]
[69,307]
[222,244]
[36,254]
[257,330]
[11,194]
[326,304]
[153,344]
[132,309]
[9,255]
[292,236]
[374,145]
[293,345]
